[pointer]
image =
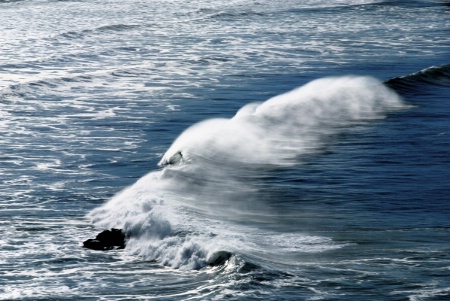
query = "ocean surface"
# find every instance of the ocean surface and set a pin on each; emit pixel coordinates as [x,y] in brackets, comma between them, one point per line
[304,145]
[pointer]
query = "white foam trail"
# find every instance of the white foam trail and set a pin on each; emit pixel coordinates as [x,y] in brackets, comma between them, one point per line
[181,215]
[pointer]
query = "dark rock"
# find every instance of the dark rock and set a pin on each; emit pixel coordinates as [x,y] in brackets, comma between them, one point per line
[107,240]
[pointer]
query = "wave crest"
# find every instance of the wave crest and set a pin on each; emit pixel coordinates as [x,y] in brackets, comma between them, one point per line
[414,82]
[288,125]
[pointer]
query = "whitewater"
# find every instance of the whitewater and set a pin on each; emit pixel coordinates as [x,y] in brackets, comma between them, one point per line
[215,172]
[247,150]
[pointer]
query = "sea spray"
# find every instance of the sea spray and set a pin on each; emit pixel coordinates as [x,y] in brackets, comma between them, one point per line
[186,213]
[283,127]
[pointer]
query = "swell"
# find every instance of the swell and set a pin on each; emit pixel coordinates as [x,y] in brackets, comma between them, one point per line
[415,83]
[45,86]
[10,1]
[98,31]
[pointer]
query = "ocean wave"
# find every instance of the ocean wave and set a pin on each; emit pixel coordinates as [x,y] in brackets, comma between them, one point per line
[191,210]
[239,10]
[10,1]
[113,28]
[283,127]
[437,76]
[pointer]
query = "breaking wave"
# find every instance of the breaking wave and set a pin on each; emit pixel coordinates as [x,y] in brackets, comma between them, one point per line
[205,200]
[434,76]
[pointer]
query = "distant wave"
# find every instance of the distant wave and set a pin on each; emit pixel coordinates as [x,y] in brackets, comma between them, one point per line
[99,30]
[9,1]
[432,76]
[267,8]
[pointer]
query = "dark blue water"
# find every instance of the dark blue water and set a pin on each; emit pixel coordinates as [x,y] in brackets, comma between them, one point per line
[336,191]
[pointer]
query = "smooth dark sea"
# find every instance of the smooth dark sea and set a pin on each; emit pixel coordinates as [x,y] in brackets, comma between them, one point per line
[302,145]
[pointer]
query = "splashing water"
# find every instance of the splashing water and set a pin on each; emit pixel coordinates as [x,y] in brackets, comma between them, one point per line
[291,124]
[182,215]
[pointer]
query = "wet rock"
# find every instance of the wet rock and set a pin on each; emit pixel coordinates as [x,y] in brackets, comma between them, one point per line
[107,240]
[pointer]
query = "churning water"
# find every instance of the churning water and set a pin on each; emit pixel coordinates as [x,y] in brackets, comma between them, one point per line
[304,145]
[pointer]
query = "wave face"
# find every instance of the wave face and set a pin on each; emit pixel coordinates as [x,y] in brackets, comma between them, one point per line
[192,209]
[419,82]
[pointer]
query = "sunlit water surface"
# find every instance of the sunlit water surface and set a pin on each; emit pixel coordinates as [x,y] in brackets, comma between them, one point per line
[335,191]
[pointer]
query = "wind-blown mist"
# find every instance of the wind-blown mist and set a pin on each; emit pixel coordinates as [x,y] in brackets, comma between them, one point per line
[182,215]
[288,125]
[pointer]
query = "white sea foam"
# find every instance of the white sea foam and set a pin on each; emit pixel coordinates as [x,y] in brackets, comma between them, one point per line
[182,215]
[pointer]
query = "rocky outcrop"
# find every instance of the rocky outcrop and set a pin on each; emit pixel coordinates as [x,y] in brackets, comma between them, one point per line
[107,240]
[116,239]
